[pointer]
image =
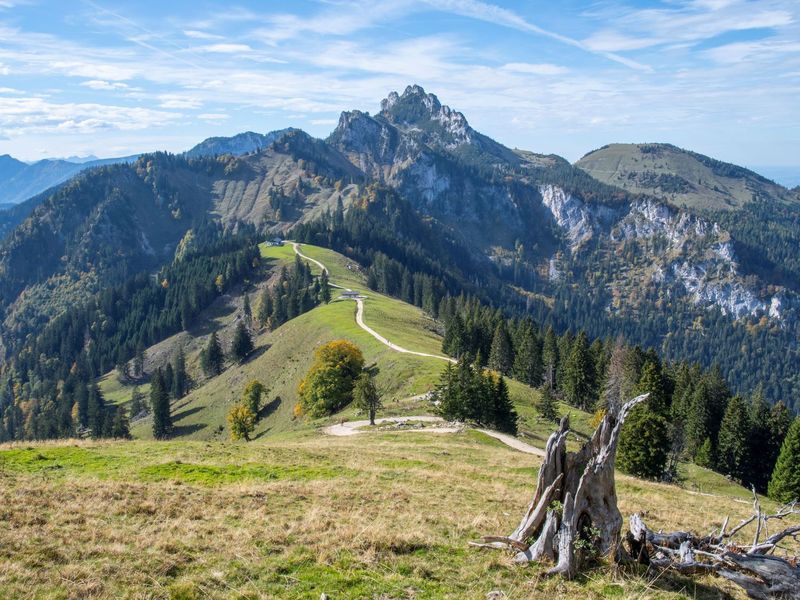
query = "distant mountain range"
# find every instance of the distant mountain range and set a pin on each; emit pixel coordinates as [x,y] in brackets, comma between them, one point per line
[20,181]
[673,250]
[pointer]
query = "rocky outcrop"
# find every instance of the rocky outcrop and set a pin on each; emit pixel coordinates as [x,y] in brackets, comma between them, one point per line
[697,253]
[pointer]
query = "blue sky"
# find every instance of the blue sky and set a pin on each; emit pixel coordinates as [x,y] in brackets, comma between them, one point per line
[111,78]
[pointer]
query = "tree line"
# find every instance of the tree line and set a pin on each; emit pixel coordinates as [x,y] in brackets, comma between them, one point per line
[691,413]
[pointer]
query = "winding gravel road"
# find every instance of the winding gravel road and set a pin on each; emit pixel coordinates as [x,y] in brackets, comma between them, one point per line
[360,315]
[353,427]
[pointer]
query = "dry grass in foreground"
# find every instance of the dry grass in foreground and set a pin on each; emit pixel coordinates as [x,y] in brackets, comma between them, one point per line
[378,516]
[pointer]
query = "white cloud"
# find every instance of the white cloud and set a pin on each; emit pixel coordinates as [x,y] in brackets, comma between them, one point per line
[201,35]
[535,68]
[324,121]
[686,22]
[178,101]
[224,48]
[22,116]
[213,116]
[742,51]
[99,84]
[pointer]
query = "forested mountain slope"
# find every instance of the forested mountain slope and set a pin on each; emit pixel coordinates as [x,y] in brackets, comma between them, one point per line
[526,231]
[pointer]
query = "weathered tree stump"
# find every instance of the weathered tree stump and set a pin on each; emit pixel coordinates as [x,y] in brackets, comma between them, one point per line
[573,514]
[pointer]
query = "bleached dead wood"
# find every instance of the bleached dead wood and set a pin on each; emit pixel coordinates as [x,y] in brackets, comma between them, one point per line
[749,566]
[573,513]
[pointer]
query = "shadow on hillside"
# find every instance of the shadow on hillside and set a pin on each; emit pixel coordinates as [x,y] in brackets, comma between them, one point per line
[256,353]
[189,411]
[181,430]
[266,411]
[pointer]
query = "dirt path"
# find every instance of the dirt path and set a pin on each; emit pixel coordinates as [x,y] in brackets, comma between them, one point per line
[349,428]
[352,427]
[360,315]
[383,340]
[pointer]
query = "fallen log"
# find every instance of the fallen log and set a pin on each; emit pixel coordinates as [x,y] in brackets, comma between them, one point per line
[762,576]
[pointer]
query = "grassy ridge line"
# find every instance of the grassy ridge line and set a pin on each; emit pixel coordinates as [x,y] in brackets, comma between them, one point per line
[360,315]
[282,357]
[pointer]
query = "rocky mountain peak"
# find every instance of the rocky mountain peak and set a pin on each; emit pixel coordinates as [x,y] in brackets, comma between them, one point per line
[416,109]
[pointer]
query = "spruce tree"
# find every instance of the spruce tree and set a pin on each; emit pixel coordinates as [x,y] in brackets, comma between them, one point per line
[504,415]
[784,486]
[528,356]
[550,358]
[247,310]
[324,287]
[242,344]
[159,406]
[264,308]
[96,410]
[652,382]
[120,427]
[732,446]
[501,356]
[136,401]
[579,374]
[643,444]
[212,360]
[180,379]
[564,351]
[548,405]
[759,443]
[169,378]
[454,341]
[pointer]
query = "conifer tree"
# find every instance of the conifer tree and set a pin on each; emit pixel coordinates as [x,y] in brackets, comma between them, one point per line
[96,410]
[120,428]
[705,455]
[264,308]
[579,374]
[324,287]
[169,378]
[548,405]
[212,360]
[504,417]
[501,357]
[528,356]
[564,351]
[159,406]
[180,379]
[136,401]
[733,445]
[759,443]
[247,310]
[366,397]
[643,444]
[454,343]
[550,358]
[242,344]
[784,486]
[652,382]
